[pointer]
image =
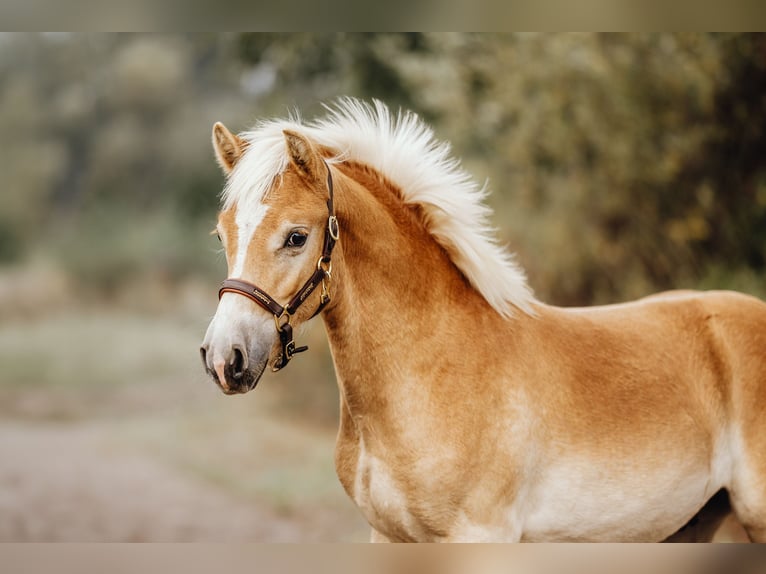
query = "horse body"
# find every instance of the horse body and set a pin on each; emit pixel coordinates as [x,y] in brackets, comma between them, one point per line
[459,422]
[605,423]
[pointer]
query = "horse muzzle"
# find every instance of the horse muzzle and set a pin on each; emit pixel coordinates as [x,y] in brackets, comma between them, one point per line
[235,352]
[233,373]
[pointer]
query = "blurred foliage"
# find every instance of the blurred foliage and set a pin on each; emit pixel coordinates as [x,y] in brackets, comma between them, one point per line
[111,124]
[619,164]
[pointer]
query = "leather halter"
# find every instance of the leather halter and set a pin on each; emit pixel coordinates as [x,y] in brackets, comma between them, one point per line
[283,314]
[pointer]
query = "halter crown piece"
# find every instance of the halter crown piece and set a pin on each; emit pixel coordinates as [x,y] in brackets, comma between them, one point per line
[283,315]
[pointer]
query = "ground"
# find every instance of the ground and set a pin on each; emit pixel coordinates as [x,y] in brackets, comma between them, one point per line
[109,431]
[70,484]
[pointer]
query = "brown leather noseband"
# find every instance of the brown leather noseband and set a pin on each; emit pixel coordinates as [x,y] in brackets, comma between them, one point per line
[283,314]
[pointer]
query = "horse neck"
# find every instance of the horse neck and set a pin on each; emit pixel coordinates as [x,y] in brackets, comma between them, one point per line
[395,294]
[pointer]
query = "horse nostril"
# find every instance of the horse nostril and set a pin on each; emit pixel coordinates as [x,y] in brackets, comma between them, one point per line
[203,354]
[238,364]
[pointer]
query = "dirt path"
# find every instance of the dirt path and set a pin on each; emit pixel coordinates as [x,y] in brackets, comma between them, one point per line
[110,431]
[64,483]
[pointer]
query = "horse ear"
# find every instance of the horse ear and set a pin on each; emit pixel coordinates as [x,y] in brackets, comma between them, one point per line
[228,147]
[303,155]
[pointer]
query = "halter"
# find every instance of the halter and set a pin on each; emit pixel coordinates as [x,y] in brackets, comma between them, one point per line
[283,315]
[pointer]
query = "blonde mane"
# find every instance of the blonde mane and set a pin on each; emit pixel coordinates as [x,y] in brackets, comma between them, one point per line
[403,149]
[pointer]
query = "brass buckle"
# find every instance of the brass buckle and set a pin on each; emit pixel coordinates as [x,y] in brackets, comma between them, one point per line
[333,228]
[326,267]
[278,320]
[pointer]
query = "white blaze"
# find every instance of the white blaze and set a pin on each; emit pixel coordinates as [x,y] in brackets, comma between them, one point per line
[247,223]
[234,322]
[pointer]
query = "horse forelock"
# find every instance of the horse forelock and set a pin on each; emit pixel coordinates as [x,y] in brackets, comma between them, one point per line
[404,150]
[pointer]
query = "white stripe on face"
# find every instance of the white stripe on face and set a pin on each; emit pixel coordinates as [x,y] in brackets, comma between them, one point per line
[247,223]
[237,320]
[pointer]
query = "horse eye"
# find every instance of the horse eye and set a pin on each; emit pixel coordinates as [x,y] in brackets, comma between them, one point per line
[296,239]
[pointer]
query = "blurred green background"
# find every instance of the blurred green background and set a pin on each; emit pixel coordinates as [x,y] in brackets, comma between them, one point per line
[619,165]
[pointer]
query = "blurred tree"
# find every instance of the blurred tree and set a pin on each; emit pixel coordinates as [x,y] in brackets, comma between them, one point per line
[734,159]
[316,67]
[116,125]
[620,164]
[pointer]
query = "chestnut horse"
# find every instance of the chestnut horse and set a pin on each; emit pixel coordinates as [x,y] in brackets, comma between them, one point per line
[468,409]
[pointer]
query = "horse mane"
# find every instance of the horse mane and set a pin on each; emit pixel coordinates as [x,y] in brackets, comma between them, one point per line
[404,150]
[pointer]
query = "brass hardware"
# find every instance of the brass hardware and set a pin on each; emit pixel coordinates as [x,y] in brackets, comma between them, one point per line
[327,270]
[278,320]
[325,297]
[333,228]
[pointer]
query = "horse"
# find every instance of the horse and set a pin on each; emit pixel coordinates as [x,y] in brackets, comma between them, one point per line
[470,410]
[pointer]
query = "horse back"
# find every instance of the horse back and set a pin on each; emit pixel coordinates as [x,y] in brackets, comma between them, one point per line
[735,328]
[696,359]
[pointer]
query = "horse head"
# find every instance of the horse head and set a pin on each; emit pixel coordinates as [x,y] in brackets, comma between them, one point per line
[277,236]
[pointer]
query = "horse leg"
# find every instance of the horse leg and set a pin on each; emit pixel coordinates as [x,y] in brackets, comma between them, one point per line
[745,337]
[748,488]
[376,536]
[750,509]
[703,525]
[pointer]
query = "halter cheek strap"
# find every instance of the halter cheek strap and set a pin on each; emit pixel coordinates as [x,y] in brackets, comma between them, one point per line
[283,314]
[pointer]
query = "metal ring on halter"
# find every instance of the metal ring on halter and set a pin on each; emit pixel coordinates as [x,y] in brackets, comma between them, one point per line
[325,266]
[278,320]
[333,228]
